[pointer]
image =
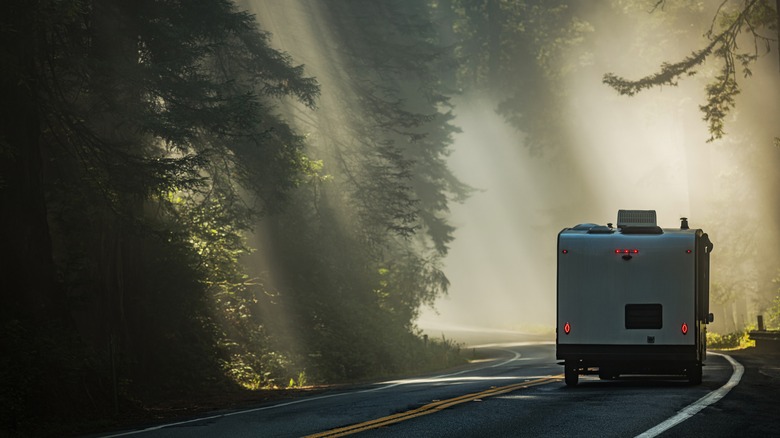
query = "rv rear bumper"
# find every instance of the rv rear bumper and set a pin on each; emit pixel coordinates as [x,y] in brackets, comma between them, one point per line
[610,352]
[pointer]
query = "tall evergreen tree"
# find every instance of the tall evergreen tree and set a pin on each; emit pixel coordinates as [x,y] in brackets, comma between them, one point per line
[139,139]
[371,236]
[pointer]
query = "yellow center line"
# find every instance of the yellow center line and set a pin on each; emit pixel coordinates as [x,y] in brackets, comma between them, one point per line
[431,408]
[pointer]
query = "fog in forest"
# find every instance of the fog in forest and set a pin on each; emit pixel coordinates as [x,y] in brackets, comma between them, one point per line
[649,151]
[644,152]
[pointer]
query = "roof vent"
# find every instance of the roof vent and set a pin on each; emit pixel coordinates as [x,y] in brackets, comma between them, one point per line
[636,218]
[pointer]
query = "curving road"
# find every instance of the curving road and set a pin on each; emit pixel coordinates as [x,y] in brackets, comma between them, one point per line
[516,390]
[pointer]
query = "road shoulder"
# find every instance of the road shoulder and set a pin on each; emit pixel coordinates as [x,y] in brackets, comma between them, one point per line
[750,409]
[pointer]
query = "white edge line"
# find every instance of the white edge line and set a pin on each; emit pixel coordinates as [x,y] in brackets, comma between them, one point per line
[695,407]
[303,400]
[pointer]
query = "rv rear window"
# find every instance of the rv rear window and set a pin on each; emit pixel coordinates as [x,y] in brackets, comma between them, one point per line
[644,316]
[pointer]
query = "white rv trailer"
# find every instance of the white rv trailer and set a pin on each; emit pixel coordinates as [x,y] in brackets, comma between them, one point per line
[632,299]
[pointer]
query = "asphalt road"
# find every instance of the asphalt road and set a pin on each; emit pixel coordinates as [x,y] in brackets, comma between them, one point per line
[517,390]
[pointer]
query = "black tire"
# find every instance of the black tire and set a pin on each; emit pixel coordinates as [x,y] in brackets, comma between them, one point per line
[694,374]
[571,374]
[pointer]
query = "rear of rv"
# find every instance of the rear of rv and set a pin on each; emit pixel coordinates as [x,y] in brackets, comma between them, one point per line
[632,299]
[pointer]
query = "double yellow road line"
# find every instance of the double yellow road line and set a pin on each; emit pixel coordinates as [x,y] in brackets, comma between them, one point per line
[432,408]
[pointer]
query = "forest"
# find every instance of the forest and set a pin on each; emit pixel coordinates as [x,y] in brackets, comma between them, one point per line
[193,203]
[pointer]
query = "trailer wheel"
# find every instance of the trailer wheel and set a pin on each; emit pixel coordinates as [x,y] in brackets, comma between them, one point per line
[694,374]
[571,374]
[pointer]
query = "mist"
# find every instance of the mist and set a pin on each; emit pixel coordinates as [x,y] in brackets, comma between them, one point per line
[648,151]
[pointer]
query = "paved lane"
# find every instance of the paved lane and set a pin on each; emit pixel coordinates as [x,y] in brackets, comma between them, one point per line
[472,401]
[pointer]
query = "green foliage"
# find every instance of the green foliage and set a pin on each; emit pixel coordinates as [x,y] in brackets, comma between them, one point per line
[731,341]
[162,148]
[753,18]
[300,383]
[155,121]
[392,157]
[258,369]
[669,74]
[354,254]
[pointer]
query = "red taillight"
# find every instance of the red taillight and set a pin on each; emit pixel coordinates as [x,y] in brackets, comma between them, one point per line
[684,328]
[567,328]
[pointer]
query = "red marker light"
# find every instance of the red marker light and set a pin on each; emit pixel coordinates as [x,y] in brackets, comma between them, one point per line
[565,251]
[635,251]
[567,328]
[684,329]
[688,251]
[626,251]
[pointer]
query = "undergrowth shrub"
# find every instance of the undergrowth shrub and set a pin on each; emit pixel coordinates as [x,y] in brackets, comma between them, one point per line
[733,340]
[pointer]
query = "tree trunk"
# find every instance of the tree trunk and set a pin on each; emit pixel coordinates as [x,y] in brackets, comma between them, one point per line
[494,43]
[28,281]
